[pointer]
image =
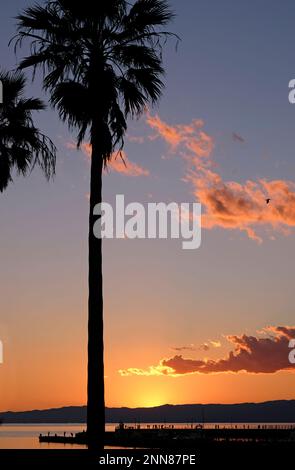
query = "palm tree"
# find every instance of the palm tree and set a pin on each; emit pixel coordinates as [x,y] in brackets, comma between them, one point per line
[102,63]
[22,145]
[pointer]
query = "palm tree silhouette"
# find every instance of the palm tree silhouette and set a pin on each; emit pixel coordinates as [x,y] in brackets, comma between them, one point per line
[22,145]
[102,62]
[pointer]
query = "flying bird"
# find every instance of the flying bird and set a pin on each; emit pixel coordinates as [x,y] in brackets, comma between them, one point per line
[237,138]
[267,200]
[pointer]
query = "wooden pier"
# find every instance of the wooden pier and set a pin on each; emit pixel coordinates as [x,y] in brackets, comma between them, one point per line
[167,436]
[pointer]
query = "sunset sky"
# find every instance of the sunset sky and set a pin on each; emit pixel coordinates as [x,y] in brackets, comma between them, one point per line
[202,326]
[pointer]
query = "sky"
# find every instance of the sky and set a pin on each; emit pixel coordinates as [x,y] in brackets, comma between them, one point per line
[210,325]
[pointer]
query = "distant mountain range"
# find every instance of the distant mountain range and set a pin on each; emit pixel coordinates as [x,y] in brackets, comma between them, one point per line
[280,411]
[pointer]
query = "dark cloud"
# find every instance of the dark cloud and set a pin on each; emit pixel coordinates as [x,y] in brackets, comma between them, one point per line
[258,355]
[184,348]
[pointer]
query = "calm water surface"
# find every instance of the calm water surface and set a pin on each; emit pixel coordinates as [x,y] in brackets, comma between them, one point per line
[19,436]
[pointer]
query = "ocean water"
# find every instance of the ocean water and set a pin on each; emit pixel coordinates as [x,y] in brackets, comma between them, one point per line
[20,436]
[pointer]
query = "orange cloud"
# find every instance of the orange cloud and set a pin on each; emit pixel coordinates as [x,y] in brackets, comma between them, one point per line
[232,205]
[122,164]
[119,161]
[191,136]
[227,204]
[251,354]
[190,347]
[204,347]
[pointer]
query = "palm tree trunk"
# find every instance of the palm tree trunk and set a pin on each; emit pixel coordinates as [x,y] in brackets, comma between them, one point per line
[95,390]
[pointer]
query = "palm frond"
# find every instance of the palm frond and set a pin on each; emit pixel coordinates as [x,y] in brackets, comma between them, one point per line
[138,56]
[146,14]
[134,100]
[101,61]
[147,80]
[72,101]
[22,145]
[40,18]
